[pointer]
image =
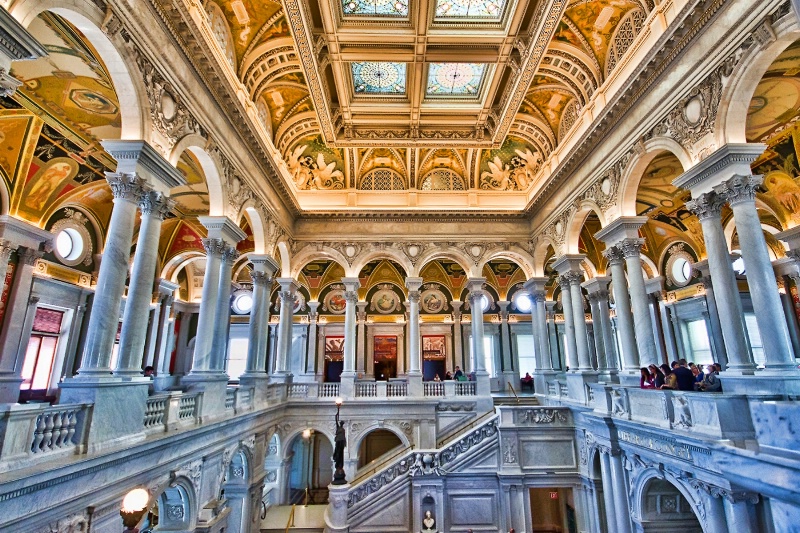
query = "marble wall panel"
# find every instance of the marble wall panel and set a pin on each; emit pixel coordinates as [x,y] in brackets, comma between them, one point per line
[473,509]
[547,453]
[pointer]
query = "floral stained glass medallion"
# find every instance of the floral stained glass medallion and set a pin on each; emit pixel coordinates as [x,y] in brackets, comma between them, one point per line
[490,10]
[378,77]
[390,8]
[455,79]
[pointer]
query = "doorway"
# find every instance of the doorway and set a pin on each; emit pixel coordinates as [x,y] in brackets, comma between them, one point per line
[376,444]
[334,359]
[553,510]
[433,357]
[385,356]
[311,468]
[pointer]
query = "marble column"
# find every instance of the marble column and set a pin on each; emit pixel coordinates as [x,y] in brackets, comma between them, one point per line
[552,334]
[627,336]
[569,324]
[740,193]
[788,311]
[313,341]
[725,292]
[351,298]
[597,288]
[478,366]
[608,494]
[414,341]
[717,340]
[166,326]
[655,289]
[509,373]
[222,322]
[262,274]
[6,249]
[458,350]
[127,189]
[739,512]
[202,359]
[541,338]
[669,328]
[620,492]
[154,206]
[643,324]
[285,329]
[361,332]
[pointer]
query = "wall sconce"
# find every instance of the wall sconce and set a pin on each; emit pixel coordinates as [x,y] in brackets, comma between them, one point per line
[134,507]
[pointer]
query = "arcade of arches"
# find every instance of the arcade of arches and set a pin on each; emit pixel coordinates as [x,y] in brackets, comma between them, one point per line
[225,222]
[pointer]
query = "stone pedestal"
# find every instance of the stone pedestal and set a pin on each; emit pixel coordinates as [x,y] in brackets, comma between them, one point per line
[576,383]
[213,388]
[258,382]
[415,387]
[336,512]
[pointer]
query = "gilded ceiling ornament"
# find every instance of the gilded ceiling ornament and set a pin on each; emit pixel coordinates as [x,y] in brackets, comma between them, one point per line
[309,173]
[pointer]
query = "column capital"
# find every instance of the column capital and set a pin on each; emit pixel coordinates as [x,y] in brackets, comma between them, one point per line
[288,285]
[313,313]
[706,206]
[230,254]
[535,285]
[654,285]
[413,296]
[631,247]
[614,256]
[791,237]
[6,248]
[29,256]
[475,285]
[739,189]
[456,314]
[620,229]
[571,278]
[727,161]
[597,284]
[569,263]
[261,279]
[156,204]
[166,287]
[264,263]
[126,186]
[138,157]
[503,305]
[214,246]
[351,284]
[222,228]
[413,284]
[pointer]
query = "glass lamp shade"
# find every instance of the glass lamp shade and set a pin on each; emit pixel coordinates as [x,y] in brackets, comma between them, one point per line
[135,500]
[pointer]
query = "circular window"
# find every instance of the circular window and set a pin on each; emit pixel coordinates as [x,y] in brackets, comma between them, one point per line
[485,303]
[681,270]
[523,302]
[242,302]
[678,268]
[69,245]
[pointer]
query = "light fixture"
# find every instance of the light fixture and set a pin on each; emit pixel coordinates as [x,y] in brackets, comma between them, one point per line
[338,402]
[134,506]
[307,434]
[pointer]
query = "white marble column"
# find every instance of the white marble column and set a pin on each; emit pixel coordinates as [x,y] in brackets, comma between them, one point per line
[569,324]
[458,350]
[104,317]
[740,193]
[630,351]
[285,329]
[620,493]
[154,206]
[510,374]
[6,249]
[351,298]
[202,359]
[643,324]
[313,341]
[541,336]
[263,272]
[478,363]
[222,322]
[414,341]
[739,512]
[608,491]
[725,291]
[581,333]
[597,288]
[669,329]
[361,331]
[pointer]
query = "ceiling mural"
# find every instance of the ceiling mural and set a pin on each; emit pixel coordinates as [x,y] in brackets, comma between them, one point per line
[512,167]
[192,198]
[381,271]
[318,274]
[591,247]
[503,275]
[315,166]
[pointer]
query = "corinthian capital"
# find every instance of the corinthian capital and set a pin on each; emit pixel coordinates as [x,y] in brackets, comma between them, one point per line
[230,254]
[614,255]
[631,247]
[156,204]
[739,189]
[126,186]
[214,246]
[6,248]
[706,206]
[262,279]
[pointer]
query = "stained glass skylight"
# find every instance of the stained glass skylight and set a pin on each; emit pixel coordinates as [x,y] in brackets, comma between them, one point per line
[378,77]
[455,79]
[470,9]
[391,8]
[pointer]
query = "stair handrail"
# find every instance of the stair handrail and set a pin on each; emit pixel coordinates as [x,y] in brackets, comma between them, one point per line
[440,443]
[513,391]
[382,463]
[290,522]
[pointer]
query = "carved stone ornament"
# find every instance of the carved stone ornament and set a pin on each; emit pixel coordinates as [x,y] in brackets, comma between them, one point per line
[214,246]
[77,221]
[385,301]
[706,206]
[192,470]
[540,416]
[509,451]
[739,189]
[8,83]
[126,186]
[155,203]
[74,523]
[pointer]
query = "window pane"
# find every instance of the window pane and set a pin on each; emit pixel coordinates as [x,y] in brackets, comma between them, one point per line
[30,361]
[47,321]
[526,355]
[488,353]
[237,357]
[47,352]
[699,342]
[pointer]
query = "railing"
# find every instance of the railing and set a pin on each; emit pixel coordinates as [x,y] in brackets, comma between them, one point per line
[366,389]
[466,388]
[297,390]
[433,388]
[155,411]
[396,389]
[328,390]
[243,399]
[513,391]
[56,428]
[187,408]
[380,463]
[230,398]
[475,423]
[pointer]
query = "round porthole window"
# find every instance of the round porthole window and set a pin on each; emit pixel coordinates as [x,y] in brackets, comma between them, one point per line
[72,244]
[681,270]
[242,302]
[679,266]
[523,302]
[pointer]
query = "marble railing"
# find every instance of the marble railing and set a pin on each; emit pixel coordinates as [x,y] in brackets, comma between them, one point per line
[422,462]
[466,388]
[35,430]
[433,388]
[167,412]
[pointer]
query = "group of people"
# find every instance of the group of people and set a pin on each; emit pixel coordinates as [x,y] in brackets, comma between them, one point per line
[458,375]
[681,375]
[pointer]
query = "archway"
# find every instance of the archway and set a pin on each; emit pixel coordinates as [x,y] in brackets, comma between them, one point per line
[310,470]
[665,509]
[377,444]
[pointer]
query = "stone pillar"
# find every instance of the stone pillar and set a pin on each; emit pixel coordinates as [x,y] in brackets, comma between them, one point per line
[655,289]
[569,324]
[627,337]
[256,375]
[6,249]
[164,337]
[128,189]
[510,374]
[285,329]
[620,492]
[348,377]
[202,360]
[717,340]
[475,287]
[597,288]
[608,494]
[458,350]
[414,340]
[788,311]
[222,322]
[740,193]
[739,512]
[727,304]
[645,336]
[313,342]
[541,336]
[154,206]
[552,334]
[669,328]
[361,331]
[569,266]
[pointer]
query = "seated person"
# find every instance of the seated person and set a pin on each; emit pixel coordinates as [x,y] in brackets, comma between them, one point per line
[527,381]
[711,382]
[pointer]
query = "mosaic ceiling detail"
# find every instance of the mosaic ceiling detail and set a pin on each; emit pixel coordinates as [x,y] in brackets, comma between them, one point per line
[373,77]
[455,79]
[470,9]
[392,8]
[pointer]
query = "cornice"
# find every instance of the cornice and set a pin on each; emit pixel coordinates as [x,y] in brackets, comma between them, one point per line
[419,216]
[15,41]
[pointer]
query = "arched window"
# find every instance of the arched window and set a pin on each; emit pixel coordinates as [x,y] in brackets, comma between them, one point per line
[568,118]
[382,179]
[627,30]
[442,179]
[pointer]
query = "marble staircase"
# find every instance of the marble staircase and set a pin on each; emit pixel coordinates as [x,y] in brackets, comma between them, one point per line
[307,519]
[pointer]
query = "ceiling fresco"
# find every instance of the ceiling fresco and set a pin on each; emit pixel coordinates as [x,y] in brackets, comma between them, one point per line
[266,58]
[192,198]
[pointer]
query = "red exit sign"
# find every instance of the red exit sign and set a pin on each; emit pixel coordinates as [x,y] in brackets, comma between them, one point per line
[553,495]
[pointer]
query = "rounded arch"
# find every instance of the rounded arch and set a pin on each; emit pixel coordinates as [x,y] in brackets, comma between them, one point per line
[177,503]
[359,439]
[253,217]
[4,197]
[133,104]
[451,254]
[312,253]
[730,126]
[641,484]
[634,172]
[386,433]
[290,437]
[174,264]
[362,260]
[543,244]
[575,224]
[522,258]
[216,193]
[285,258]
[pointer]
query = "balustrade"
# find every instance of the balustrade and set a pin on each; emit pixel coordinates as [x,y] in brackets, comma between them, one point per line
[155,411]
[56,427]
[188,407]
[396,389]
[434,388]
[328,390]
[230,397]
[297,390]
[466,388]
[366,389]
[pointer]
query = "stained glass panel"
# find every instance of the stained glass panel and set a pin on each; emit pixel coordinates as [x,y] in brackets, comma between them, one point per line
[391,8]
[455,79]
[471,9]
[377,77]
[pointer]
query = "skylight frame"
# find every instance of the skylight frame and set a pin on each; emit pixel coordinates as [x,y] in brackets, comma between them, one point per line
[354,14]
[356,68]
[480,84]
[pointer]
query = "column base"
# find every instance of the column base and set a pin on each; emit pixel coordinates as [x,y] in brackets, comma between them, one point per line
[166,383]
[118,413]
[9,388]
[483,383]
[608,375]
[258,382]
[282,378]
[213,387]
[764,382]
[415,387]
[347,385]
[540,379]
[510,377]
[628,378]
[576,384]
[336,513]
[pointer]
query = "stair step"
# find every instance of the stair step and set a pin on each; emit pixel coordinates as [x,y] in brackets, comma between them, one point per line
[307,519]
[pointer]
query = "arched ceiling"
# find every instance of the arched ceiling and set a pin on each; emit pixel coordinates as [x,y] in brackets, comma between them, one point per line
[389,89]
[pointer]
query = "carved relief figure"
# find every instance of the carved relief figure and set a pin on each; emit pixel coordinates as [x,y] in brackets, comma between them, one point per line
[308,173]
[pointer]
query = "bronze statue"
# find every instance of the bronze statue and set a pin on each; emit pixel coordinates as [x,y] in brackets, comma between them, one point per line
[340,441]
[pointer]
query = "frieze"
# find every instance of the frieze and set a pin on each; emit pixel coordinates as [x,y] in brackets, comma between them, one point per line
[664,446]
[541,416]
